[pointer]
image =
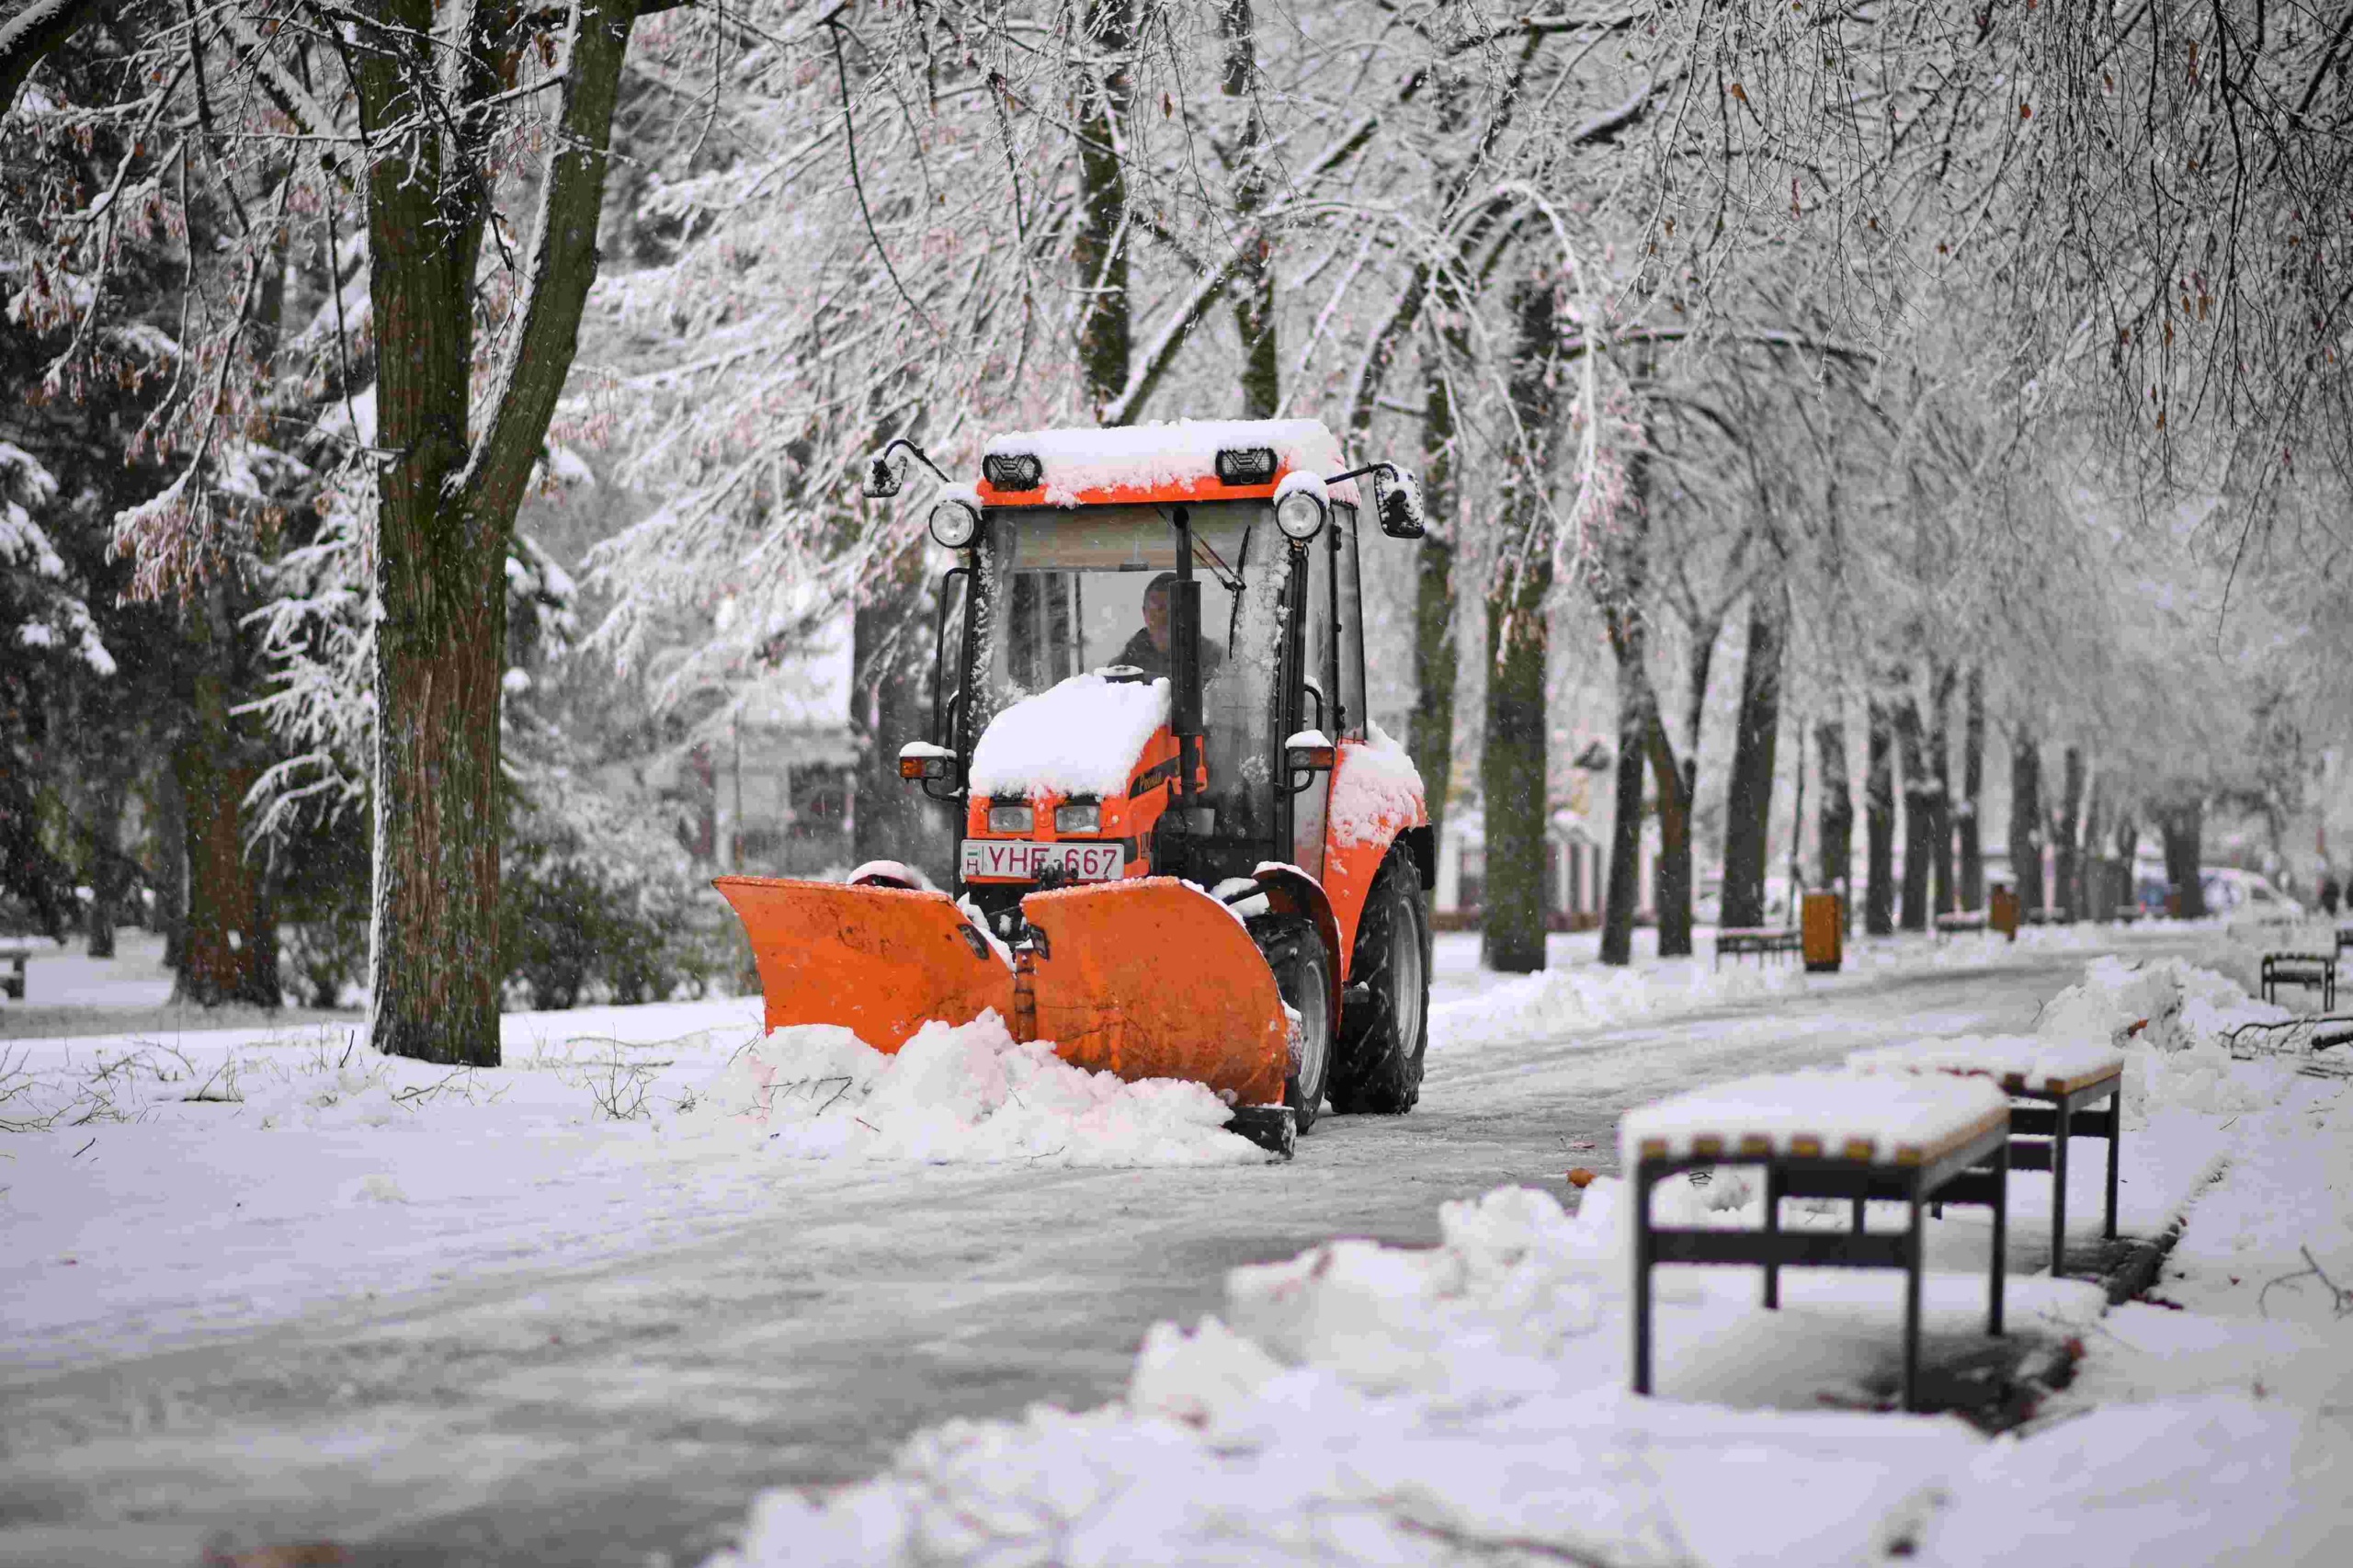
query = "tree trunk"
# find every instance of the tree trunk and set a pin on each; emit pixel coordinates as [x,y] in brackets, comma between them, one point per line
[1748,806]
[1512,775]
[2183,829]
[170,848]
[1939,783]
[1835,825]
[1625,891]
[2066,829]
[1973,789]
[1429,730]
[1919,829]
[224,956]
[1513,772]
[108,870]
[891,656]
[2025,821]
[1879,822]
[446,496]
[1099,251]
[1671,894]
[1254,284]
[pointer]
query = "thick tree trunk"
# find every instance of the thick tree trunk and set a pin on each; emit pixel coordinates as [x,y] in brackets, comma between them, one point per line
[1940,812]
[1748,806]
[225,954]
[2025,821]
[1429,730]
[1099,251]
[446,499]
[1671,890]
[2066,831]
[1513,774]
[1919,827]
[1973,792]
[1835,825]
[1878,821]
[2183,829]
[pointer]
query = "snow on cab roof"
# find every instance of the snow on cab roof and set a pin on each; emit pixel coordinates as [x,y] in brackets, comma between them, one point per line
[1167,461]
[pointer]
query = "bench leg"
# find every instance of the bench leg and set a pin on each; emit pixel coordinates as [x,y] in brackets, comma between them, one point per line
[1912,1251]
[2059,1192]
[1772,1228]
[1641,1313]
[1860,1201]
[2115,1152]
[2000,1266]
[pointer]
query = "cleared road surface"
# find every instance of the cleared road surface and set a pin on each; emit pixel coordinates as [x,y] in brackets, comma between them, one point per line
[628,1412]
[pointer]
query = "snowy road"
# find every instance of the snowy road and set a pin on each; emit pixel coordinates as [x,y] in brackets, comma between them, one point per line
[603,1414]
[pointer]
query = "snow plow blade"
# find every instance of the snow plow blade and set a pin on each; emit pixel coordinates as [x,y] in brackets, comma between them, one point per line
[1150,979]
[878,962]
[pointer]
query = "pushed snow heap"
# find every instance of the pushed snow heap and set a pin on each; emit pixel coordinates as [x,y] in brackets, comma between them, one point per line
[1079,736]
[1080,465]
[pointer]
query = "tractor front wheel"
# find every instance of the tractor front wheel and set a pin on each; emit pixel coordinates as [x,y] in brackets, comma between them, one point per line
[1387,1025]
[1303,974]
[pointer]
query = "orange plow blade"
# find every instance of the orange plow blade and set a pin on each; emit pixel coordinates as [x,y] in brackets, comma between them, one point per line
[879,962]
[1150,979]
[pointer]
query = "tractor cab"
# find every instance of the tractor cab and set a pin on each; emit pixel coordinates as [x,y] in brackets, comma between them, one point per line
[1185,850]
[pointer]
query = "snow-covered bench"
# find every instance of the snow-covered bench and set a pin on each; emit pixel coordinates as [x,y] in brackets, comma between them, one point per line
[2060,1083]
[1963,920]
[14,951]
[1854,1135]
[2313,971]
[1762,940]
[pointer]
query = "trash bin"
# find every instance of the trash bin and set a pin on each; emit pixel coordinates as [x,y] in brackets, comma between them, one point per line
[1822,932]
[2002,910]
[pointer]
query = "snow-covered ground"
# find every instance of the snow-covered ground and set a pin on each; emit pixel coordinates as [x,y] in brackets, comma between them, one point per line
[188,1189]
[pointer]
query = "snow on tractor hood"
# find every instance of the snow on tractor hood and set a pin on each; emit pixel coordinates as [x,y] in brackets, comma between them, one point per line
[1167,455]
[1080,737]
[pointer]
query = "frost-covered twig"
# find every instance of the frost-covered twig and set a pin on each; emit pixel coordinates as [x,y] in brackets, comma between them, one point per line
[2340,1300]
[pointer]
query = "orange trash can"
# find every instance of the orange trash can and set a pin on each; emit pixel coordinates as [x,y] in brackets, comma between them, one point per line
[1822,932]
[2002,910]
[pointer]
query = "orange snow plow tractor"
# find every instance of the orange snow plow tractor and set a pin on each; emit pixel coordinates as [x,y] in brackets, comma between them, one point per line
[1186,851]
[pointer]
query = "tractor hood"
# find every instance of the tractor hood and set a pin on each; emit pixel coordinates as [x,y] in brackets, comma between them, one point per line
[1081,737]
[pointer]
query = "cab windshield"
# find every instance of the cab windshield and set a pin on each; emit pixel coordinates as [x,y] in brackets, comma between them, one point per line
[1067,593]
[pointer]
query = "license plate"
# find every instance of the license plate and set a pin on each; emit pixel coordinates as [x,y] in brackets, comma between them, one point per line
[1017,859]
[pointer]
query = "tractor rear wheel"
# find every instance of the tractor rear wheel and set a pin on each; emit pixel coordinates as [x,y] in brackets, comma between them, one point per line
[1303,974]
[1386,1029]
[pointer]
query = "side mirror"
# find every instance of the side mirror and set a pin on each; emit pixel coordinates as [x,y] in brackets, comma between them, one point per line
[885,473]
[1399,502]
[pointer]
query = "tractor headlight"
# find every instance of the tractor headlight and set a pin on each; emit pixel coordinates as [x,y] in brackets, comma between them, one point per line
[954,522]
[1011,819]
[1299,514]
[1079,817]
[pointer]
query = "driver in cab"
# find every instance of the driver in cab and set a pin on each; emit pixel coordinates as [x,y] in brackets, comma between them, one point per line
[1148,650]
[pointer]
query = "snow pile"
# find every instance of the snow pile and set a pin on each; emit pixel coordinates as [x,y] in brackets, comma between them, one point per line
[1588,997]
[1376,1404]
[957,1093]
[1376,790]
[1859,1114]
[1157,456]
[1080,736]
[2172,1005]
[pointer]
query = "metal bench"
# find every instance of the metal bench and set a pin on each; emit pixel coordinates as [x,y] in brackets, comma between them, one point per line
[13,953]
[1946,1140]
[2058,1087]
[1764,941]
[2343,940]
[1964,920]
[2313,971]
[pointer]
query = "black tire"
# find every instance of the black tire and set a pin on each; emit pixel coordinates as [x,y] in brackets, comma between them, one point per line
[1386,1026]
[1303,974]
